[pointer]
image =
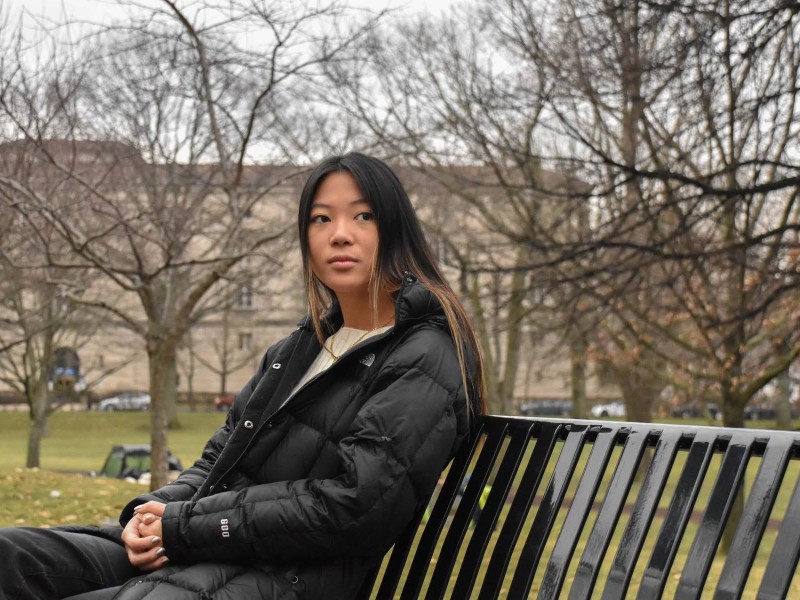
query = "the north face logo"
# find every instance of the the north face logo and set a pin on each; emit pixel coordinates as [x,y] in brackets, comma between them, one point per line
[368,360]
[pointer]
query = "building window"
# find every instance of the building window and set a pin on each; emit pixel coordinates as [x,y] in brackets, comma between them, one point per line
[244,296]
[245,341]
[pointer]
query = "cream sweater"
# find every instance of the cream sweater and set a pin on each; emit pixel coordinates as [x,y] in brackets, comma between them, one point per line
[339,343]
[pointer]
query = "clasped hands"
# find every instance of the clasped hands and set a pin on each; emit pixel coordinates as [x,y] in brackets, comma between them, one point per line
[143,537]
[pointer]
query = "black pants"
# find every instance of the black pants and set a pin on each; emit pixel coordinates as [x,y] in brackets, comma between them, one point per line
[48,564]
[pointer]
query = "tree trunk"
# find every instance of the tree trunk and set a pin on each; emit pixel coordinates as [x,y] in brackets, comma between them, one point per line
[732,409]
[37,425]
[578,378]
[516,312]
[170,388]
[783,406]
[472,291]
[162,384]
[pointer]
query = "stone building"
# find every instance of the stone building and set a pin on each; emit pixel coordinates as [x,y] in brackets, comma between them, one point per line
[238,319]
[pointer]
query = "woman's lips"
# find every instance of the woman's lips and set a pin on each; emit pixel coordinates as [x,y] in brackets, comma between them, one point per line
[342,262]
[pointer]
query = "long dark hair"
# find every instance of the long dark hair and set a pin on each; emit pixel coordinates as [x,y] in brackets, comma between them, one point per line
[402,247]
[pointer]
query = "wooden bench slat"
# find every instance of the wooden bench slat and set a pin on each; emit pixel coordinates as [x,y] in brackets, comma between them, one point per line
[754,519]
[548,435]
[548,511]
[678,514]
[578,512]
[607,518]
[712,526]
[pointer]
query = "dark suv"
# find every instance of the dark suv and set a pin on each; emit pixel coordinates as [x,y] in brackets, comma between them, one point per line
[546,408]
[132,460]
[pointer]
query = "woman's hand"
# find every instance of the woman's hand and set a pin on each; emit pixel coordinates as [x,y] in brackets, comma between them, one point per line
[142,537]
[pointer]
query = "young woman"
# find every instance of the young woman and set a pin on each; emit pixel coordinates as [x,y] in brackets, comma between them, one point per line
[330,449]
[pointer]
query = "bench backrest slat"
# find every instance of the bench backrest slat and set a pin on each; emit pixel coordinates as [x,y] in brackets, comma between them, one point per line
[548,435]
[678,514]
[607,519]
[720,502]
[642,513]
[490,513]
[754,520]
[434,524]
[548,511]
[783,560]
[462,518]
[578,512]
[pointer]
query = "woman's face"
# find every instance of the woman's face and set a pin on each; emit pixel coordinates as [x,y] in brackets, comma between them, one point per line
[342,236]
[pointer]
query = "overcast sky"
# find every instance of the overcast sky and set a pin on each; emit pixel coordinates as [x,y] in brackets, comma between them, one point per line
[96,10]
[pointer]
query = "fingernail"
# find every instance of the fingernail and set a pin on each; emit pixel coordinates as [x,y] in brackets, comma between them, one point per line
[154,540]
[161,551]
[136,508]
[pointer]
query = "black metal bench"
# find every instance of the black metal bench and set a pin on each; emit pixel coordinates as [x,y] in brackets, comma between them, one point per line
[583,509]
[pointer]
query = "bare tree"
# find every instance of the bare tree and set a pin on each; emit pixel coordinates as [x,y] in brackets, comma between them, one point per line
[678,233]
[456,108]
[495,292]
[689,115]
[174,204]
[41,332]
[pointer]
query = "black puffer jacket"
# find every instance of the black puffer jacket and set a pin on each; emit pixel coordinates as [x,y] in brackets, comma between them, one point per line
[298,497]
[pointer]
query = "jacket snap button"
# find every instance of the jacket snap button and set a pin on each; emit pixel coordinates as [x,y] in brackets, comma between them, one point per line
[295,579]
[248,424]
[276,366]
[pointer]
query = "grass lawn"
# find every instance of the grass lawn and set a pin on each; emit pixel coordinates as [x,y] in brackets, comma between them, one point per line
[34,498]
[80,441]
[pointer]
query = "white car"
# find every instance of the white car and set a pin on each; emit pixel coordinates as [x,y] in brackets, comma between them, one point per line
[125,401]
[612,409]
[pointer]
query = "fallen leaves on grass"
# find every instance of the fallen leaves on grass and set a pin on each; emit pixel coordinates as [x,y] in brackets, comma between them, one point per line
[27,498]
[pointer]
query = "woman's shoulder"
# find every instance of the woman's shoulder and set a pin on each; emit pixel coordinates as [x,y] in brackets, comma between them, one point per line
[427,346]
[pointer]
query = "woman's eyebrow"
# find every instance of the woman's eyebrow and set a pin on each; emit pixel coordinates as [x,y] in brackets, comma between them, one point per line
[316,204]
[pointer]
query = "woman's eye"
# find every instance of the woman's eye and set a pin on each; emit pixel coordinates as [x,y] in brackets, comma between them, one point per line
[364,216]
[319,218]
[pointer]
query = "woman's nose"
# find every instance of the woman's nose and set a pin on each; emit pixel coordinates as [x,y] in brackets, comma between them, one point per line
[341,232]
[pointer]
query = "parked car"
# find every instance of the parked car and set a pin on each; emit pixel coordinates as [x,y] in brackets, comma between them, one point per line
[760,413]
[133,461]
[546,408]
[125,401]
[696,411]
[611,409]
[224,401]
